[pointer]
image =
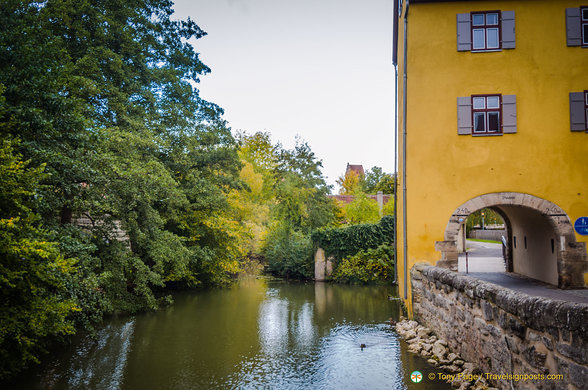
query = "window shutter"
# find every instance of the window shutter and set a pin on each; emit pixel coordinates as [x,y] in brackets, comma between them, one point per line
[464,115]
[464,33]
[573,27]
[508,29]
[509,114]
[577,117]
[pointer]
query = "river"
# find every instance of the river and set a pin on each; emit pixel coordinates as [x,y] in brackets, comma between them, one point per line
[259,334]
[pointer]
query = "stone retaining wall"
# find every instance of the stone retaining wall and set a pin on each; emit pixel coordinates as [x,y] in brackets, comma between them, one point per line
[495,235]
[504,332]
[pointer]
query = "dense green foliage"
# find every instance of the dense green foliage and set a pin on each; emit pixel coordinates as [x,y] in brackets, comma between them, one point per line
[99,119]
[374,180]
[483,217]
[119,183]
[288,253]
[367,266]
[362,210]
[377,180]
[34,302]
[344,242]
[293,194]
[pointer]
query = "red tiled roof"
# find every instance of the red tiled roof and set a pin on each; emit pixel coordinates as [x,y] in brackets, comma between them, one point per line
[349,198]
[355,168]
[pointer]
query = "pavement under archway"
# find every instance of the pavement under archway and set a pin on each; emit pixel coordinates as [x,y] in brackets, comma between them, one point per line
[541,244]
[485,262]
[482,257]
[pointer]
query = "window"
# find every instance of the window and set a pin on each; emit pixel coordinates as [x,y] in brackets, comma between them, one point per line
[485,30]
[486,114]
[492,114]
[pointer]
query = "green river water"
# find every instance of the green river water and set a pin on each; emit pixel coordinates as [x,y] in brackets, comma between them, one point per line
[259,334]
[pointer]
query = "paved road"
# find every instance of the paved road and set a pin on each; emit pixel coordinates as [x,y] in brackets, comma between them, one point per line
[485,262]
[482,257]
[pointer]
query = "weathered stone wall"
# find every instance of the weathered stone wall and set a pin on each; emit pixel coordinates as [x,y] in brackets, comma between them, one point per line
[323,268]
[495,235]
[504,332]
[116,233]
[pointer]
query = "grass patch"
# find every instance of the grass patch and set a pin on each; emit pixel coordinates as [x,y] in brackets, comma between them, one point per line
[480,240]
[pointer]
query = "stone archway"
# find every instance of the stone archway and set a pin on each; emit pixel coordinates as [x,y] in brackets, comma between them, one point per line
[569,255]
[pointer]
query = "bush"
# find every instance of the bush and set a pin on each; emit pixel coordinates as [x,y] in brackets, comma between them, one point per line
[289,253]
[366,267]
[344,242]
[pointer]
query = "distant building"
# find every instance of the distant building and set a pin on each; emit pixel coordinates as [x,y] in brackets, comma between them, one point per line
[358,169]
[346,199]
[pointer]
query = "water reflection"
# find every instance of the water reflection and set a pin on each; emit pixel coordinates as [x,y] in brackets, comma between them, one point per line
[92,363]
[260,334]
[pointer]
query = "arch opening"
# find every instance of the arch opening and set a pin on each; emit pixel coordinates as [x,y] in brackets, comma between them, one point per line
[480,243]
[541,243]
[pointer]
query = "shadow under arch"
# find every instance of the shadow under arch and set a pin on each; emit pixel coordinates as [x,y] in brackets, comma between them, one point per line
[525,212]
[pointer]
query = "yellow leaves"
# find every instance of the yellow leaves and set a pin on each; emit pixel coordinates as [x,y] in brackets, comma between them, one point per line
[249,213]
[349,183]
[64,265]
[9,223]
[231,266]
[252,179]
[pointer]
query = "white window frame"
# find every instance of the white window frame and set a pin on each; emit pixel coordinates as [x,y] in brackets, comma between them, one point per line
[484,112]
[485,28]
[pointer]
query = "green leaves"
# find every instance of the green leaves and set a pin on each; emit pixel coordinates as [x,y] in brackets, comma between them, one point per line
[33,274]
[289,252]
[101,94]
[362,210]
[367,267]
[347,241]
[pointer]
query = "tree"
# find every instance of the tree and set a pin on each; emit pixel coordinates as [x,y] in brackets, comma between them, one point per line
[301,189]
[350,183]
[258,150]
[388,208]
[33,274]
[300,206]
[102,94]
[362,210]
[489,216]
[378,180]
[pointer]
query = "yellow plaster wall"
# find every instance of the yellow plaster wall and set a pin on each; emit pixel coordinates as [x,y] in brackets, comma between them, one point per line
[544,158]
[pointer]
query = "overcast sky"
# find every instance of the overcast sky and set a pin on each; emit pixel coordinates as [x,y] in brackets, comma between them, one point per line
[321,69]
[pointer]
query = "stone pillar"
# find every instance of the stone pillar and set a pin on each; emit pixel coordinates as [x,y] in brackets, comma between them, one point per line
[461,238]
[380,199]
[329,266]
[449,256]
[319,265]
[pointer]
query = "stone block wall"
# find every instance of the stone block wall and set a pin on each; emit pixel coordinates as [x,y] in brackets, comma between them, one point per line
[116,233]
[502,331]
[495,235]
[323,268]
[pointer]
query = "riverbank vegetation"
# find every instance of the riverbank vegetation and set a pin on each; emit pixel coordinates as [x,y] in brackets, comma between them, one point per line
[363,254]
[118,182]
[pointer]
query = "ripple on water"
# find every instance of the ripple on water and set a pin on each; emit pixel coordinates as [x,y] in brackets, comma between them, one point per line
[335,361]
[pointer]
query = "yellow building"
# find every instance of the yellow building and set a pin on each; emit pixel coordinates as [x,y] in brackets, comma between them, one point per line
[492,106]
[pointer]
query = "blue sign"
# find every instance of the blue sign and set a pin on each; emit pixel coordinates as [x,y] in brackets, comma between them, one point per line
[581,226]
